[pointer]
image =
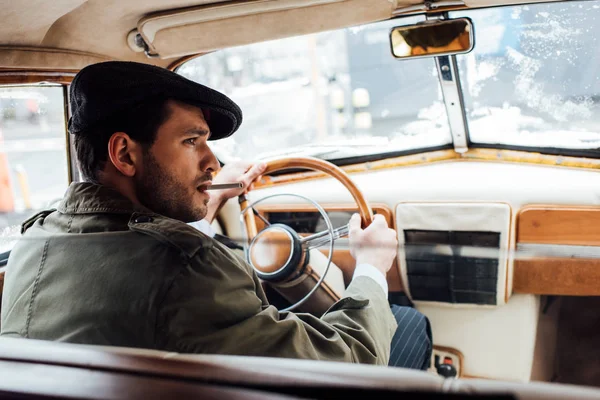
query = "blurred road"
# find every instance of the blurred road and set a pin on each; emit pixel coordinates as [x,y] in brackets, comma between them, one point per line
[36,162]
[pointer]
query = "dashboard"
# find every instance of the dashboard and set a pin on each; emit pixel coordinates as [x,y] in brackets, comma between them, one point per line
[537,217]
[480,243]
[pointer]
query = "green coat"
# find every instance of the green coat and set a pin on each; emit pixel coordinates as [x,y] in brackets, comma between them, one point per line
[101,271]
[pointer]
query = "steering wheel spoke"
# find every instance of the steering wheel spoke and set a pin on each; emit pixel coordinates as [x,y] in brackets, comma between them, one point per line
[263,219]
[322,238]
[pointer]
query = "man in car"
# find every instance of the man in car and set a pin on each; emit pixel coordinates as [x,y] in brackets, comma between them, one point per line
[118,263]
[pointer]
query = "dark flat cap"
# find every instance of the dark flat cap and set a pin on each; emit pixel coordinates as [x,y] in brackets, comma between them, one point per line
[102,90]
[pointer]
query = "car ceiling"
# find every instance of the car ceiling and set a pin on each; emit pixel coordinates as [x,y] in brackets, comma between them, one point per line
[96,30]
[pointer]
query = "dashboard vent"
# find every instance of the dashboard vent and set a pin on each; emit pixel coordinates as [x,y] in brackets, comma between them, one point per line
[309,221]
[453,266]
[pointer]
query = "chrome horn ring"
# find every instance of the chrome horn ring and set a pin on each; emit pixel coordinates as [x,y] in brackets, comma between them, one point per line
[329,230]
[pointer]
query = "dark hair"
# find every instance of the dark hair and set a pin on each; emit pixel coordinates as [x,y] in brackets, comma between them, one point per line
[141,123]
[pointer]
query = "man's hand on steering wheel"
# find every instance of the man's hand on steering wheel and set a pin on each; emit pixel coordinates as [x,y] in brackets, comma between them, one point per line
[377,245]
[243,172]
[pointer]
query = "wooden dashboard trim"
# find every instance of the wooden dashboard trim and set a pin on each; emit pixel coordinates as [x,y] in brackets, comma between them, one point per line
[472,155]
[556,276]
[32,77]
[566,225]
[558,225]
[342,257]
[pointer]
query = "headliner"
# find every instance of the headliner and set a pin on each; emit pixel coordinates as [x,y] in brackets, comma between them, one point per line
[69,34]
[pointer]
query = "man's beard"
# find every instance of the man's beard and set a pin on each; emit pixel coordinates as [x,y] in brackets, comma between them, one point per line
[163,194]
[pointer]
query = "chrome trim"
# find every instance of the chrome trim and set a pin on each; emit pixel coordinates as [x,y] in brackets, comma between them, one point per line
[525,251]
[452,92]
[263,219]
[529,250]
[151,55]
[320,239]
[329,229]
[453,100]
[428,6]
[73,170]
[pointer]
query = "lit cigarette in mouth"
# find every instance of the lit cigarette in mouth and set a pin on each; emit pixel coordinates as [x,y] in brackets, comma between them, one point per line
[225,186]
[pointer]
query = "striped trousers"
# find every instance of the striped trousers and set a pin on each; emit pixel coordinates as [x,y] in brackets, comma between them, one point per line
[412,343]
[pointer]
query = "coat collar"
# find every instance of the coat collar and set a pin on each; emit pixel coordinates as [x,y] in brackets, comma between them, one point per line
[91,198]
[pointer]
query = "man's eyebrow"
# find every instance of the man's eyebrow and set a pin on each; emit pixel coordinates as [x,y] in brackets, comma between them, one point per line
[197,131]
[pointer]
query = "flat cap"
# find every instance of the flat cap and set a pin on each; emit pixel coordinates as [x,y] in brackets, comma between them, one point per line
[102,90]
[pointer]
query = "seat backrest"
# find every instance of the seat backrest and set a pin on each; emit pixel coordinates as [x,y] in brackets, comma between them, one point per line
[261,372]
[524,391]
[238,370]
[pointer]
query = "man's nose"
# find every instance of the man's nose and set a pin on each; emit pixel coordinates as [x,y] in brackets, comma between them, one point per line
[210,163]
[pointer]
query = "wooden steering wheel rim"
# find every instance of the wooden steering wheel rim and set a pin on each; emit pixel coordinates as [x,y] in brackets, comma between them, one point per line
[366,214]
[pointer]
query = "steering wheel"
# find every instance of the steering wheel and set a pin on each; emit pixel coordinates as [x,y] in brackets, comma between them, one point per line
[277,253]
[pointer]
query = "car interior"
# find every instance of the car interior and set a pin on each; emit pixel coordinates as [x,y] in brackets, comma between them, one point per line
[471,126]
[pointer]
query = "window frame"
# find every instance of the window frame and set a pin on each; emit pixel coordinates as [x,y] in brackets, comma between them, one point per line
[22,79]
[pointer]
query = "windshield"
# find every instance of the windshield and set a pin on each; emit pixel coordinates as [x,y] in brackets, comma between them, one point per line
[532,81]
[330,95]
[534,76]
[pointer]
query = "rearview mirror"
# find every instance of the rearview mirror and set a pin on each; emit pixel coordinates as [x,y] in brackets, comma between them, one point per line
[433,38]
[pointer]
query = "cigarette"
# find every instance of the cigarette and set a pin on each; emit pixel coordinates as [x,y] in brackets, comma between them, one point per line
[225,186]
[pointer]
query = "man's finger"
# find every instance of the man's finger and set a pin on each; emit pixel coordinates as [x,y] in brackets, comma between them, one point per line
[252,182]
[354,225]
[252,175]
[379,219]
[255,171]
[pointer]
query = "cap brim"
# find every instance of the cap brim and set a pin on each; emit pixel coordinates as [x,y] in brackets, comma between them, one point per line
[222,123]
[105,89]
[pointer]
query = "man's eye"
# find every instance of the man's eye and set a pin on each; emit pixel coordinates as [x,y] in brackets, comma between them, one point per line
[191,141]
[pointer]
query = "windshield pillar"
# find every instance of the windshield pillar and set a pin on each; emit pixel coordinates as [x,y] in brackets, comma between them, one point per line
[447,69]
[453,100]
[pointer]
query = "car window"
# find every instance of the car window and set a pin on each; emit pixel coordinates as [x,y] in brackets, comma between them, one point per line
[33,156]
[534,76]
[331,95]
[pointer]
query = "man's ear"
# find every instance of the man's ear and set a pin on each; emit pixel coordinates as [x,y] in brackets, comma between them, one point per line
[124,153]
